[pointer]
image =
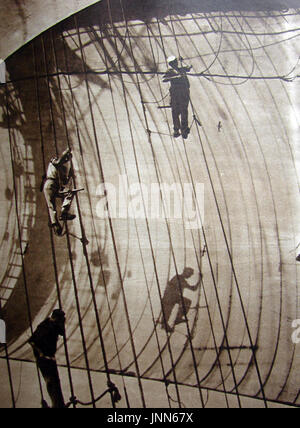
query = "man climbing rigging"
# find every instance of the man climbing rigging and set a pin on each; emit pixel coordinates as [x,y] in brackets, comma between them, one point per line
[54,186]
[44,344]
[180,95]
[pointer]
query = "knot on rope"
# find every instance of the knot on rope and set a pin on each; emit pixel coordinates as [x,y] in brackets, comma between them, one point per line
[116,396]
[73,400]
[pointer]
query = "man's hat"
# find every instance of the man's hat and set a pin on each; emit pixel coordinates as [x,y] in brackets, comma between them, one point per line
[172,59]
[67,154]
[188,272]
[58,314]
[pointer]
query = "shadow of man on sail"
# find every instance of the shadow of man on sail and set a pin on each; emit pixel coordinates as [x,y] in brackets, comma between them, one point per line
[173,297]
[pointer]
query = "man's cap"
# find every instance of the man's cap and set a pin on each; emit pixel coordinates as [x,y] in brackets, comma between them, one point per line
[172,59]
[188,272]
[58,314]
[67,154]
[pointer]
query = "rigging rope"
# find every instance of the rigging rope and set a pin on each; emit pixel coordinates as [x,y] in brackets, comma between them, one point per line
[90,204]
[171,244]
[132,139]
[50,232]
[230,256]
[157,280]
[112,390]
[197,121]
[136,227]
[102,176]
[203,252]
[20,234]
[233,269]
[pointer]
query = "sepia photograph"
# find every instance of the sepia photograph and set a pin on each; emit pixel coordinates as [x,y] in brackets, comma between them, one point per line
[149,206]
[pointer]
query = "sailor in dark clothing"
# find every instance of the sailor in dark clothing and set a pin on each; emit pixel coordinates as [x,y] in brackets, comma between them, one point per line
[180,95]
[174,296]
[58,177]
[44,344]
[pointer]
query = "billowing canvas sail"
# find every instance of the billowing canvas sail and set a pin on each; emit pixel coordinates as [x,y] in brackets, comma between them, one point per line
[178,276]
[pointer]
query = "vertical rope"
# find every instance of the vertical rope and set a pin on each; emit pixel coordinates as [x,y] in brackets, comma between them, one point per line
[20,233]
[238,288]
[84,246]
[212,272]
[215,285]
[171,243]
[85,251]
[51,232]
[110,220]
[144,269]
[196,252]
[53,250]
[230,256]
[148,229]
[100,257]
[155,268]
[60,303]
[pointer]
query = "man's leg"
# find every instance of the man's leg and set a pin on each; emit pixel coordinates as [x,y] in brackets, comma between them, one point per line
[66,205]
[184,110]
[51,204]
[176,121]
[50,196]
[50,374]
[183,311]
[167,309]
[185,120]
[175,114]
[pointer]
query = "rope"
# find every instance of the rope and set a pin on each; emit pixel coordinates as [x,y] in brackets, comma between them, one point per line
[112,232]
[51,232]
[137,231]
[85,250]
[202,255]
[280,249]
[148,229]
[198,124]
[219,48]
[53,249]
[103,275]
[207,139]
[84,240]
[172,251]
[20,234]
[202,284]
[112,390]
[173,366]
[233,269]
[215,286]
[208,76]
